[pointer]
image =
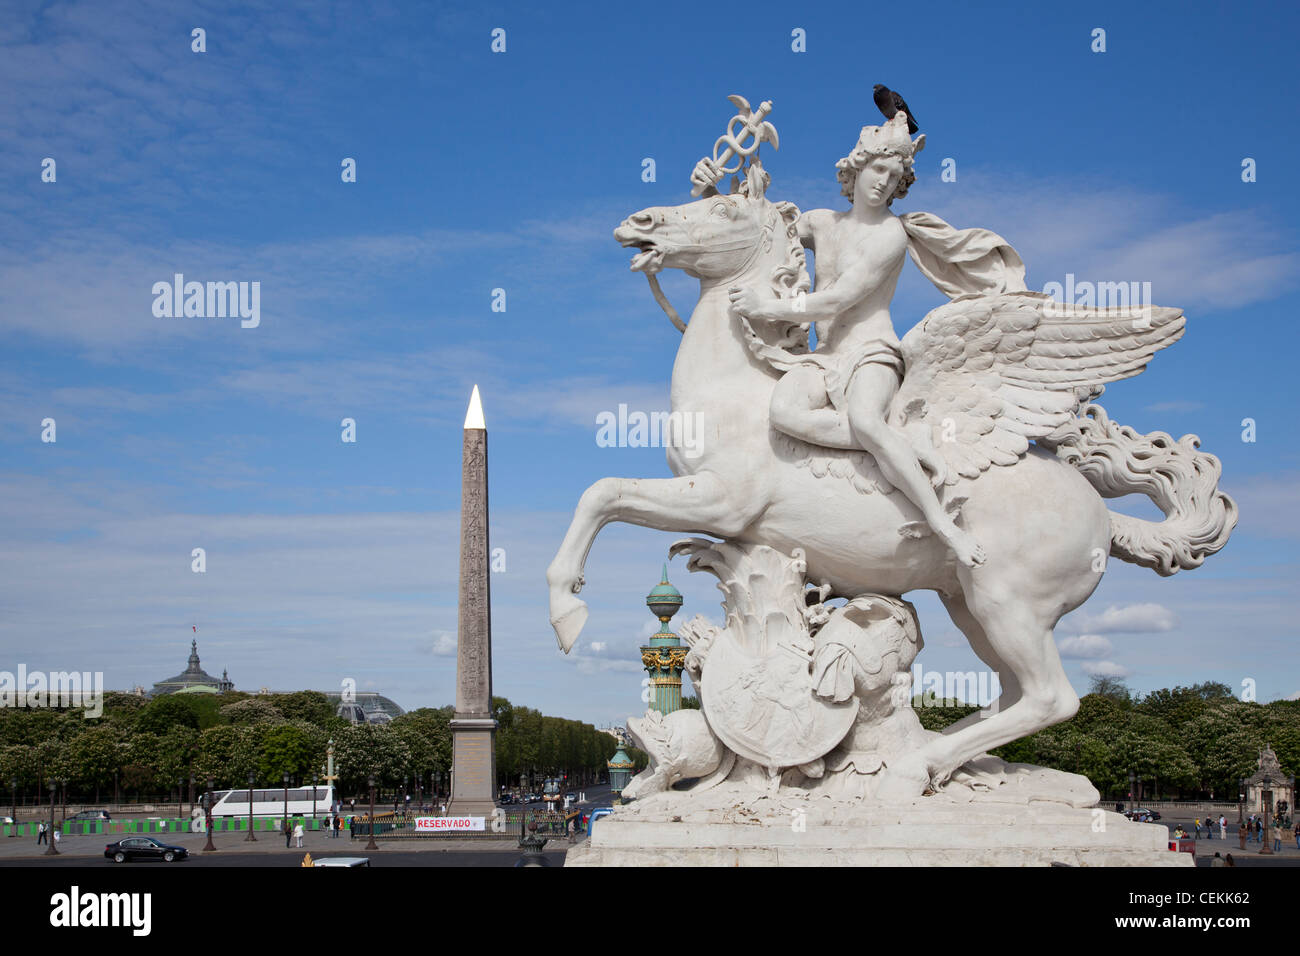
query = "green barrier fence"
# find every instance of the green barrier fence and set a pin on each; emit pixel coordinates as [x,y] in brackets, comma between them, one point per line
[164,825]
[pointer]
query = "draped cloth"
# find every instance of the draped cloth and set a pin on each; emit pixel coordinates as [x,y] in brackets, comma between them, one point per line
[962,261]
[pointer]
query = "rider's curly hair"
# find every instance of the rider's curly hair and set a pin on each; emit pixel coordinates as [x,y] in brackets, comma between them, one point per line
[847,169]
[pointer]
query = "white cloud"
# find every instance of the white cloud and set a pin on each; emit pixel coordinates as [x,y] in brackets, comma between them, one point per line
[1084,646]
[1146,618]
[445,644]
[1104,669]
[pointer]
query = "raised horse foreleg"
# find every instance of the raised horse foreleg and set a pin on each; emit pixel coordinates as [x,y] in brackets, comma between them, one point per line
[693,503]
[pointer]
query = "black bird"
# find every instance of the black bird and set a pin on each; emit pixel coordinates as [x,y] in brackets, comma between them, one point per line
[890,103]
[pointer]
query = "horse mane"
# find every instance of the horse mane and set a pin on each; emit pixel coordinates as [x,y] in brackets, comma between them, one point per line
[778,346]
[791,276]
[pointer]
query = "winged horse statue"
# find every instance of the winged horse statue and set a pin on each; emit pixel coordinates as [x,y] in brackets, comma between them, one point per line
[998,383]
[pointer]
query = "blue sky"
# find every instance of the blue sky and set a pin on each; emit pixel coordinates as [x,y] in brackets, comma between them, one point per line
[479,170]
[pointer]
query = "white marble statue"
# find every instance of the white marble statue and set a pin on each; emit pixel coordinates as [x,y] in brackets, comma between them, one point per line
[966,459]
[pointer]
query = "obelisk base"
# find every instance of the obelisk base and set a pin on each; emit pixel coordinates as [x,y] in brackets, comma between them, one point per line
[474,777]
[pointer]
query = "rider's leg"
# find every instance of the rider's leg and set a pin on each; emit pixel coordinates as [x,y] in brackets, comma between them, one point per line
[869,393]
[801,408]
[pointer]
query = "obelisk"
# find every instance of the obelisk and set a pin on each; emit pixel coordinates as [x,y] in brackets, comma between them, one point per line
[473,731]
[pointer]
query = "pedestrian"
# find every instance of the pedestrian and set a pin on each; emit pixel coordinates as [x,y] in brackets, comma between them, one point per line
[297,833]
[1259,830]
[1197,822]
[1277,837]
[1297,834]
[288,833]
[1217,861]
[1223,827]
[42,833]
[1228,860]
[57,836]
[338,826]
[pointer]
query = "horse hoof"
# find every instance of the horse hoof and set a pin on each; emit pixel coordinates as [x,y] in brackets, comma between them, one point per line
[568,618]
[903,782]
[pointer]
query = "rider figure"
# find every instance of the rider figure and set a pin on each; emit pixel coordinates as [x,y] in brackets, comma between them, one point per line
[838,395]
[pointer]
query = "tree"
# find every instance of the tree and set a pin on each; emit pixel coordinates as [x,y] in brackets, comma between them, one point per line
[308,705]
[1112,687]
[226,753]
[254,710]
[291,748]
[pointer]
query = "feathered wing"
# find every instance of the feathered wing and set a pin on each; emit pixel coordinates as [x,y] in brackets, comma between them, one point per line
[989,373]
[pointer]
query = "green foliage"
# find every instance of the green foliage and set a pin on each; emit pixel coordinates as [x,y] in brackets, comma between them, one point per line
[195,711]
[309,705]
[690,703]
[254,710]
[1113,688]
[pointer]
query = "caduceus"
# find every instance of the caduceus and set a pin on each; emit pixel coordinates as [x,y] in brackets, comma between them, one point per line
[738,142]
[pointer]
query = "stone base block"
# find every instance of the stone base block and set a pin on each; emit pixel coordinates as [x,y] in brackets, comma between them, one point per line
[917,835]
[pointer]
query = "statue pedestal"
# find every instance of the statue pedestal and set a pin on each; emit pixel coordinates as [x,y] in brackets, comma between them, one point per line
[925,833]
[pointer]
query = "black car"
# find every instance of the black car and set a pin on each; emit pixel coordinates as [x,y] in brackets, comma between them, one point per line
[1143,815]
[143,848]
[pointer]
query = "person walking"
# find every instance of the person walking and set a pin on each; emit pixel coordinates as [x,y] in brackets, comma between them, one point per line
[42,833]
[1197,823]
[1223,827]
[297,833]
[288,834]
[1277,837]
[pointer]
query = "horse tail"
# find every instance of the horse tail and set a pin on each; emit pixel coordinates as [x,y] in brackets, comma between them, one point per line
[1182,481]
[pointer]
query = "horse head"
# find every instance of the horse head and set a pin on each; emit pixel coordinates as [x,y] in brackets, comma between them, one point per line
[714,238]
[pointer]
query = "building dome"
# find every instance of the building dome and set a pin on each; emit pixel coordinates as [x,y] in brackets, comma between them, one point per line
[193,678]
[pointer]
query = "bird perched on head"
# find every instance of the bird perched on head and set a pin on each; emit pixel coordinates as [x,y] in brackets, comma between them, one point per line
[890,103]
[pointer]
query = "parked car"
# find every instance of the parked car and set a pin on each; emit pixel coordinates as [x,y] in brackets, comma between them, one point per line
[1143,815]
[91,815]
[144,848]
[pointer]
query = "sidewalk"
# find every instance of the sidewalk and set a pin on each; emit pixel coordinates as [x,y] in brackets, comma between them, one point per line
[315,843]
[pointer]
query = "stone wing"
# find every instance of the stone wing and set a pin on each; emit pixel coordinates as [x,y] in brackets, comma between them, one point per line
[986,374]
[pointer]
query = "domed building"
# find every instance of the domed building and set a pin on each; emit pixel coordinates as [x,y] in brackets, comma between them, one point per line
[194,680]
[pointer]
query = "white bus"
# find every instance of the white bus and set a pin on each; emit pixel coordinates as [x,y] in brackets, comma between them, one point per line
[270,802]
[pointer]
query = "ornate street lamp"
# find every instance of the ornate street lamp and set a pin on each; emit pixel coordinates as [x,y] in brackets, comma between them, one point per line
[315,778]
[372,845]
[180,797]
[212,797]
[1266,797]
[285,778]
[1241,812]
[52,850]
[1132,789]
[250,838]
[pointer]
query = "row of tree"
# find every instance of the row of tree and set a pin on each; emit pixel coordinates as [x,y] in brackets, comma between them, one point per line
[1188,742]
[149,747]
